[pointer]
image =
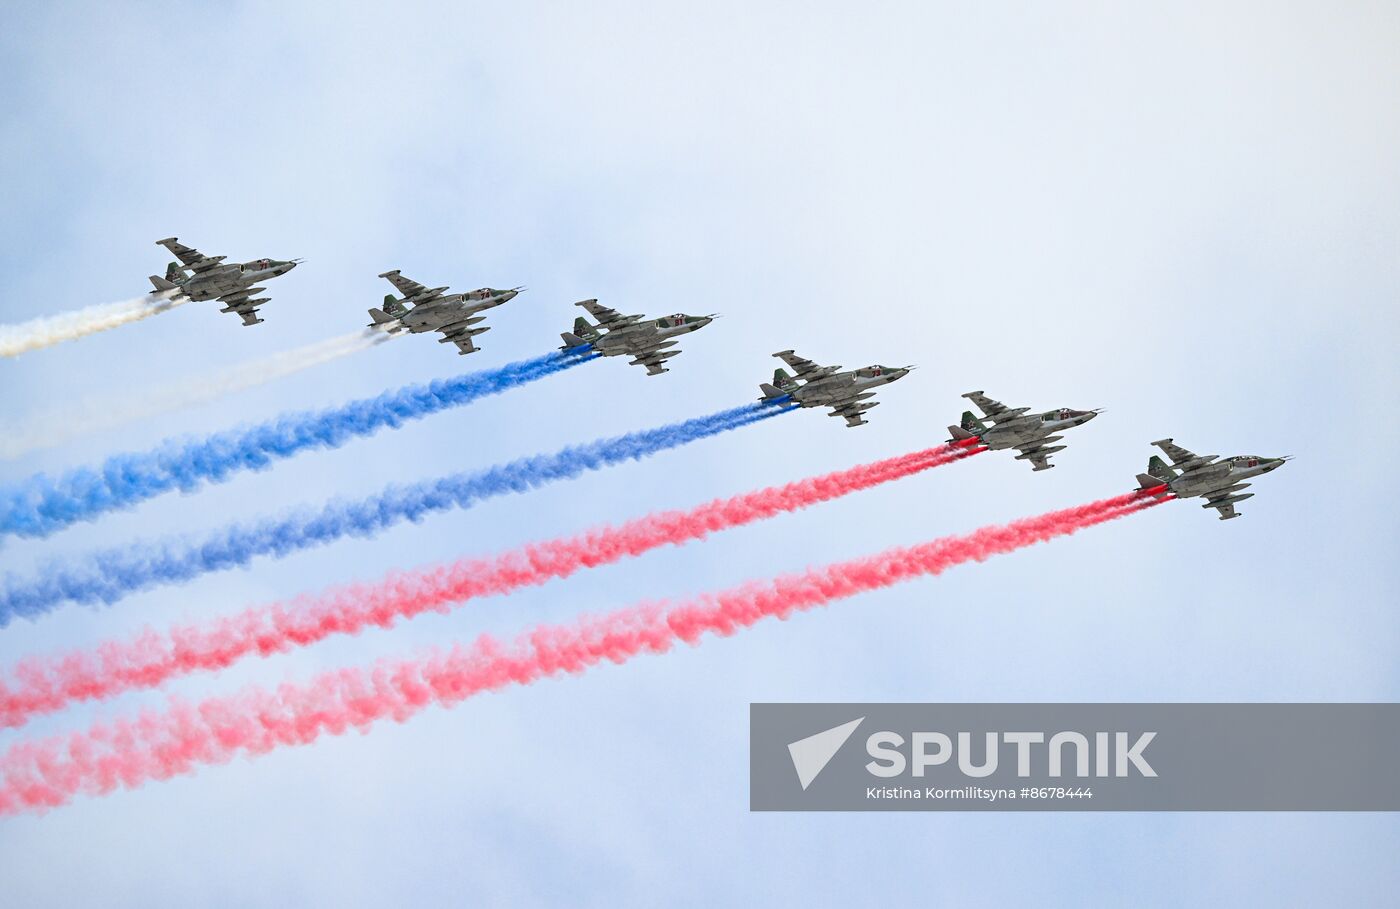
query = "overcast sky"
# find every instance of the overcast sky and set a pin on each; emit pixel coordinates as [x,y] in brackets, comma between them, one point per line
[1189,216]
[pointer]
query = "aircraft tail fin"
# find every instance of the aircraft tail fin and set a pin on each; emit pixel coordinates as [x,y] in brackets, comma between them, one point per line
[1158,474]
[783,380]
[1158,468]
[972,425]
[393,306]
[582,335]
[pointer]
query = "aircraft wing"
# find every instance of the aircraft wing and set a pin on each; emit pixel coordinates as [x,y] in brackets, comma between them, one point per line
[239,303]
[1038,453]
[653,360]
[1226,509]
[458,333]
[192,259]
[853,413]
[412,291]
[607,318]
[852,410]
[1178,454]
[992,409]
[1223,500]
[800,365]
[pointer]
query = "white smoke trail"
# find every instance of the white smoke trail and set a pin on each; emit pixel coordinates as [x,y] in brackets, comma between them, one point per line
[49,330]
[99,413]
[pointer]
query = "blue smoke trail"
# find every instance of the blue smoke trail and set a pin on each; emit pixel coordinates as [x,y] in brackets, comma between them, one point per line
[40,505]
[109,575]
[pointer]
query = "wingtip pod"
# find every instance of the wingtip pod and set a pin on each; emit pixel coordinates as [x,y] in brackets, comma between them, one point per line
[1162,442]
[970,394]
[389,274]
[783,353]
[167,240]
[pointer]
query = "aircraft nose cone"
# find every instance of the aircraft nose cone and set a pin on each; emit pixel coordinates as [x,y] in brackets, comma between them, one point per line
[510,295]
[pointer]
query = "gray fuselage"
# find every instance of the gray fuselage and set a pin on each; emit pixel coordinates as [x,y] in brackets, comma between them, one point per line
[651,335]
[1019,431]
[1202,481]
[454,310]
[839,387]
[226,279]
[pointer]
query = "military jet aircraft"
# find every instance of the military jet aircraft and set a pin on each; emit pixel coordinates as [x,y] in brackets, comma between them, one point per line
[209,278]
[428,309]
[846,393]
[1219,482]
[647,341]
[1029,433]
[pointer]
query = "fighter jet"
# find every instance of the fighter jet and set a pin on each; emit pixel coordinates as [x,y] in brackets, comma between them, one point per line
[846,393]
[647,342]
[1028,433]
[209,278]
[428,309]
[1219,482]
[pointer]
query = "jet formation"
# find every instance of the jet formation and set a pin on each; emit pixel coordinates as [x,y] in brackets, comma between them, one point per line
[1191,475]
[200,277]
[653,342]
[846,393]
[647,341]
[1029,433]
[429,309]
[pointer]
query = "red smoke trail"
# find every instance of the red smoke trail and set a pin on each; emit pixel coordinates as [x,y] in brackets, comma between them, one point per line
[157,746]
[42,685]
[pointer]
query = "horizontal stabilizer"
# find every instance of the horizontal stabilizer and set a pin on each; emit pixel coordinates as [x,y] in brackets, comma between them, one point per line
[162,285]
[381,319]
[959,434]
